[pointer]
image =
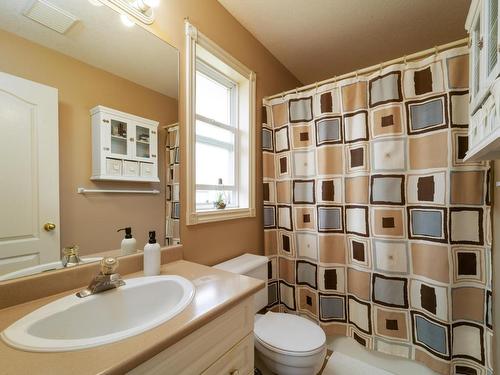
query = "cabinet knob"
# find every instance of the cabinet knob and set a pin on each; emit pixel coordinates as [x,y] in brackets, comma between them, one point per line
[234,372]
[480,43]
[131,139]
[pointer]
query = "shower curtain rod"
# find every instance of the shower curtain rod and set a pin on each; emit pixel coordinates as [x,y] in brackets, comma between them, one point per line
[166,127]
[370,69]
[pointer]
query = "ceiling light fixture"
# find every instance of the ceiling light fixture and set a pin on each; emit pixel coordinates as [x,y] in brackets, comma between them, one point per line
[126,20]
[152,3]
[145,5]
[141,10]
[96,3]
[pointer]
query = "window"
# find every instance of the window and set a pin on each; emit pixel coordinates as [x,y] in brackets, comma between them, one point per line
[216,138]
[220,100]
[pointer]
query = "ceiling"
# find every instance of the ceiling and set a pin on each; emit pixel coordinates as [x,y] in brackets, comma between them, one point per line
[317,39]
[100,39]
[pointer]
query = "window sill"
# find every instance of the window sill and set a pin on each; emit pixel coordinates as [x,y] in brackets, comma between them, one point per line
[211,216]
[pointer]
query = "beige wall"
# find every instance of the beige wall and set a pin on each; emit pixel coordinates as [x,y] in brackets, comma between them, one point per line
[214,242]
[91,221]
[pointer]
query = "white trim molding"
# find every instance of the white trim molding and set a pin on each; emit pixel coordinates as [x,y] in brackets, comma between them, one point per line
[198,46]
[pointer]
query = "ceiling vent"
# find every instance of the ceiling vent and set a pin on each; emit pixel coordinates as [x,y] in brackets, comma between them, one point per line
[51,16]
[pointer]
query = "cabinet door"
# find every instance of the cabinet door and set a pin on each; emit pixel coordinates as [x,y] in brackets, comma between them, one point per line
[145,142]
[142,142]
[120,133]
[475,58]
[490,17]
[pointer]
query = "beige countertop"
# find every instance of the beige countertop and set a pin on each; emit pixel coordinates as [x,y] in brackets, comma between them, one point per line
[216,292]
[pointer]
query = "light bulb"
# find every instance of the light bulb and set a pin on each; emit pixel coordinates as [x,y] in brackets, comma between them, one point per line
[152,3]
[126,20]
[96,3]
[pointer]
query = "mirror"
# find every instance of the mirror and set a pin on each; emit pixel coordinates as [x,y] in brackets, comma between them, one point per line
[89,144]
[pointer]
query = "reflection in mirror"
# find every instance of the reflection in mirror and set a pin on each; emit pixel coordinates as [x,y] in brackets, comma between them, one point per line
[85,101]
[172,216]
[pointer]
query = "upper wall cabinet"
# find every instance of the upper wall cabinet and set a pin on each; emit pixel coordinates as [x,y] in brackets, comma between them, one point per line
[484,83]
[124,146]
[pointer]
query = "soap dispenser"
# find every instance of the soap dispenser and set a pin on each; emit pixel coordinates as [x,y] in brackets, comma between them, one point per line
[129,244]
[152,256]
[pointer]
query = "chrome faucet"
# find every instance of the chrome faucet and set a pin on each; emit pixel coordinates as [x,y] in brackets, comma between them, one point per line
[70,256]
[105,280]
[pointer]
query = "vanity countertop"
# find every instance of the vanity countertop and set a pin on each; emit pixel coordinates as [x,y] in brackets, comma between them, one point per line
[224,290]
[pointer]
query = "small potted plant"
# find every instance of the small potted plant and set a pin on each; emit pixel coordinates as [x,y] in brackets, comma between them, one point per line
[220,202]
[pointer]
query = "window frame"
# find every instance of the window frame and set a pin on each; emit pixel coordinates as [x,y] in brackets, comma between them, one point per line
[200,48]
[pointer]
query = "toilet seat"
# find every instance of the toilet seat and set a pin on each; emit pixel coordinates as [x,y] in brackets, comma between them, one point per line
[287,352]
[289,334]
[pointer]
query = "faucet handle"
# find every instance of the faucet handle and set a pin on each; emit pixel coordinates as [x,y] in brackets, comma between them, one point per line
[109,265]
[70,256]
[71,250]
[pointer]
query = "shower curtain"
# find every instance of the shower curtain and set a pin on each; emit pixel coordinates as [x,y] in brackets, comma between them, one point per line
[375,226]
[172,236]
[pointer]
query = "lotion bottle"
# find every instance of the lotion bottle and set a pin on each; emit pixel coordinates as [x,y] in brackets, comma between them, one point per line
[129,244]
[152,256]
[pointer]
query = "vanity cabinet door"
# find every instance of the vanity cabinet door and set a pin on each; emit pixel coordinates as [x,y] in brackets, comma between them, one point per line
[203,348]
[239,360]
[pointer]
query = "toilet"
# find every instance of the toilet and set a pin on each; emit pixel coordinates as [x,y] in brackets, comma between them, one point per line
[288,344]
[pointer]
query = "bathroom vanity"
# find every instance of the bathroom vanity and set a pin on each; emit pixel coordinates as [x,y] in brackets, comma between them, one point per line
[212,335]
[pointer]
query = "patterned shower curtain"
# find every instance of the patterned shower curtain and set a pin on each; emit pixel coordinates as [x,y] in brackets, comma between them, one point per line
[172,230]
[375,226]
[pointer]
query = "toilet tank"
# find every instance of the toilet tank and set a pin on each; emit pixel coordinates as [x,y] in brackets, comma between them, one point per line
[253,266]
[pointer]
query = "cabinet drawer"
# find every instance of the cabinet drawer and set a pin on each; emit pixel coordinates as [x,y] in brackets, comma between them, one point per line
[113,167]
[130,168]
[147,169]
[238,361]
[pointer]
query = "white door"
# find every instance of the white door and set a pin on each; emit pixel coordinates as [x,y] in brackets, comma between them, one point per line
[29,174]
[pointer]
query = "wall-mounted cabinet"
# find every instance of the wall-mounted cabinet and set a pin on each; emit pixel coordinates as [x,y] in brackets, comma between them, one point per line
[484,83]
[124,146]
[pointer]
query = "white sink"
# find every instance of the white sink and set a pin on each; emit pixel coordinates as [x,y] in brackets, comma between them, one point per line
[57,265]
[73,323]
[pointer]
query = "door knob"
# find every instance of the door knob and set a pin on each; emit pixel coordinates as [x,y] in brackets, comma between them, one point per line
[49,227]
